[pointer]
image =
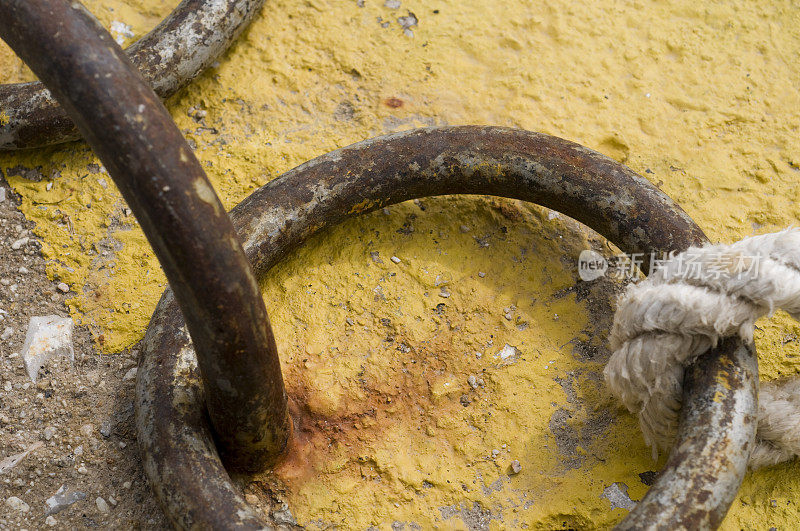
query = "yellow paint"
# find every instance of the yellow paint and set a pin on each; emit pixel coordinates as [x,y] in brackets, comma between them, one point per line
[700,98]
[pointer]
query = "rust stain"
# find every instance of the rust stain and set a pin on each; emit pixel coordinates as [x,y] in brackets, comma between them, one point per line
[393,103]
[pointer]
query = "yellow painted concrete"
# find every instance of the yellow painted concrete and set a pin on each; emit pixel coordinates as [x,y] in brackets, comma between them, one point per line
[700,98]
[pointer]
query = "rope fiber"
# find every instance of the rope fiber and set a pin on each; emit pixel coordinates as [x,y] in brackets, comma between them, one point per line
[680,311]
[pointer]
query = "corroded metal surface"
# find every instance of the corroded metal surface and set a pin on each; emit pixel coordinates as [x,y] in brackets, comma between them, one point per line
[162,181]
[475,160]
[706,465]
[183,45]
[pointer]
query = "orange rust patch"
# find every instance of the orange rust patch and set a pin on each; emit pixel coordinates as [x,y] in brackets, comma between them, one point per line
[411,397]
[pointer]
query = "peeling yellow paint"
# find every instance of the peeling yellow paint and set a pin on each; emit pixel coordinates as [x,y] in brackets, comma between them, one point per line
[699,98]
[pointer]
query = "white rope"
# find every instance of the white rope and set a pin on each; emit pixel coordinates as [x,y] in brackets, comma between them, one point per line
[682,309]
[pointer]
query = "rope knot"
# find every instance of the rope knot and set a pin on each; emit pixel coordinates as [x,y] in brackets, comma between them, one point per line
[683,309]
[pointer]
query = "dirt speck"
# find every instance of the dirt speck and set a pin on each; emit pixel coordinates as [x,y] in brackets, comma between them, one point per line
[393,103]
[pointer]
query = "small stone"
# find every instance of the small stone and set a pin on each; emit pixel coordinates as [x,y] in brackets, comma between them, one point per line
[508,354]
[49,432]
[62,286]
[82,470]
[19,243]
[481,274]
[50,521]
[495,452]
[15,504]
[516,468]
[87,430]
[112,501]
[407,23]
[252,499]
[443,293]
[2,194]
[48,337]
[396,260]
[464,229]
[23,270]
[473,382]
[350,321]
[7,333]
[102,506]
[78,450]
[106,428]
[126,485]
[131,374]
[284,516]
[392,4]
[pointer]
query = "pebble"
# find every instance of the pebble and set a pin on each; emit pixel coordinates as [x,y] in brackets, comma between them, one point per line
[63,287]
[126,485]
[481,274]
[8,332]
[131,374]
[284,516]
[50,521]
[87,430]
[464,229]
[396,260]
[495,452]
[102,506]
[48,337]
[82,470]
[16,504]
[473,382]
[19,243]
[49,432]
[516,468]
[106,428]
